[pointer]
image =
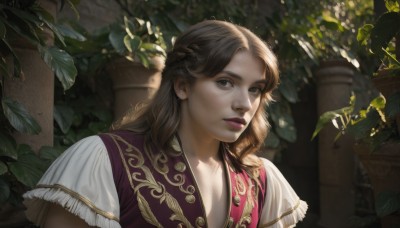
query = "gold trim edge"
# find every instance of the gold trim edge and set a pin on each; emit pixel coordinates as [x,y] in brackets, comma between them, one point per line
[83,199]
[283,215]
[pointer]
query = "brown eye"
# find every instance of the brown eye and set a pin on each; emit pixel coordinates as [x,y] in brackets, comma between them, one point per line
[224,83]
[256,90]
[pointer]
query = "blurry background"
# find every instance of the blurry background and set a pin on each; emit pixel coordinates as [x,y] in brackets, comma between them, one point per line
[71,68]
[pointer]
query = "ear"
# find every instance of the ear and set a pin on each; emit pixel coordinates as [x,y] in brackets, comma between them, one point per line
[181,88]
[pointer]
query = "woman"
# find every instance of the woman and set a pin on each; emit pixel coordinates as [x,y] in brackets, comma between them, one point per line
[186,159]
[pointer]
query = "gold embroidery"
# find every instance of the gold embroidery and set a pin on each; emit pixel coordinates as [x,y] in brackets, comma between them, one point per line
[236,200]
[180,167]
[178,213]
[129,148]
[159,161]
[81,198]
[248,207]
[200,222]
[240,186]
[230,223]
[190,199]
[290,211]
[228,220]
[175,145]
[146,212]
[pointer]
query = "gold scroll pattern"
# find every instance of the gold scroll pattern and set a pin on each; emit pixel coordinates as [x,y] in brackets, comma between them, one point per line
[250,190]
[135,159]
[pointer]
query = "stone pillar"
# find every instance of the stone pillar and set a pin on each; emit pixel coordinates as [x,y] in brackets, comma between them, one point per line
[336,159]
[35,90]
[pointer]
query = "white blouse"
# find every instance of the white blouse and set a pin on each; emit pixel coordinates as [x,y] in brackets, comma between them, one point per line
[81,181]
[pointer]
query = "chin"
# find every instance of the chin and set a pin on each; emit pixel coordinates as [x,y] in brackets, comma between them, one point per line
[229,138]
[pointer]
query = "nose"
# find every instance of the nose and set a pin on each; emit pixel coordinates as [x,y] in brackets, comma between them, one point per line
[242,101]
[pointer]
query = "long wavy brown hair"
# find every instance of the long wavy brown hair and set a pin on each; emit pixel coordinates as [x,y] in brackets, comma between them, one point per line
[203,51]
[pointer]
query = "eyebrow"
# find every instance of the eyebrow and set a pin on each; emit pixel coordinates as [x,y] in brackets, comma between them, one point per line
[240,78]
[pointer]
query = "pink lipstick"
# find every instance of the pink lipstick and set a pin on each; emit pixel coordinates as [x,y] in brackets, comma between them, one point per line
[236,123]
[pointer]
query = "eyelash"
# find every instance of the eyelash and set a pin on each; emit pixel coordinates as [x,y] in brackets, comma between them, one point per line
[224,83]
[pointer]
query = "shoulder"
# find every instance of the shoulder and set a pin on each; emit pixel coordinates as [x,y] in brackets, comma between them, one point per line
[122,136]
[282,207]
[79,180]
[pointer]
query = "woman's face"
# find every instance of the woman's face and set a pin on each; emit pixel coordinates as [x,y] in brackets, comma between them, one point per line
[222,107]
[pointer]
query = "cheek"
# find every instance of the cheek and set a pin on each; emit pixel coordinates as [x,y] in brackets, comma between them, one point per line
[255,106]
[213,101]
[211,97]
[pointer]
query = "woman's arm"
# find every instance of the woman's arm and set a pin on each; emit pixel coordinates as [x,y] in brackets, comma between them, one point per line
[58,217]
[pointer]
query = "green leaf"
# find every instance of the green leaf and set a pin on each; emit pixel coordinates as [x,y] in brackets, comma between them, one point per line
[326,118]
[64,117]
[97,127]
[3,168]
[392,5]
[306,46]
[392,58]
[378,102]
[4,67]
[132,43]
[364,34]
[289,90]
[19,117]
[66,31]
[144,59]
[48,19]
[362,128]
[384,31]
[50,153]
[387,203]
[61,63]
[29,168]
[272,140]
[4,191]
[380,138]
[152,48]
[287,132]
[130,27]
[283,121]
[331,23]
[26,24]
[116,39]
[8,146]
[17,72]
[393,105]
[22,27]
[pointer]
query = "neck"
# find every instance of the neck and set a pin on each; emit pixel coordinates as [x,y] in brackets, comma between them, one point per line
[199,147]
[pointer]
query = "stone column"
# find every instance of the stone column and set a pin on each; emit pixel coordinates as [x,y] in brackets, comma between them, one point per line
[35,90]
[336,159]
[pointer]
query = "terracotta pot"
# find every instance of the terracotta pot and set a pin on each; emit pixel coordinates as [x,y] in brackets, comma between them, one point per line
[133,83]
[383,168]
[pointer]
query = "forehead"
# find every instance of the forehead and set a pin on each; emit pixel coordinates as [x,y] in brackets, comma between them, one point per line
[247,66]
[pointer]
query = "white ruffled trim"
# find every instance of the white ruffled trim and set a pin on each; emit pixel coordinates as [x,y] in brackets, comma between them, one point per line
[290,217]
[37,202]
[282,207]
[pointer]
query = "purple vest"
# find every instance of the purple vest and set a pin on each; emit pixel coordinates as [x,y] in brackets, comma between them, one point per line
[157,188]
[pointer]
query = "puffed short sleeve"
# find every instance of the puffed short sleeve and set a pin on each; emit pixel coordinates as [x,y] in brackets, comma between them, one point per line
[282,206]
[81,181]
